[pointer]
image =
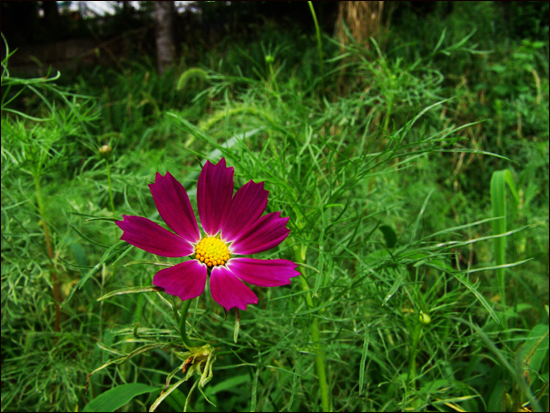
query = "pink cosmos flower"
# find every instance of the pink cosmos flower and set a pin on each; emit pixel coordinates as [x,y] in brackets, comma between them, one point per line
[233,226]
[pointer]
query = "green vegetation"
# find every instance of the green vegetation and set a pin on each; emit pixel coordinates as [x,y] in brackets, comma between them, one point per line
[416,182]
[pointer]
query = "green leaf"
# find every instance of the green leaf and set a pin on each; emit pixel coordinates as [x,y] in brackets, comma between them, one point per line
[300,264]
[234,384]
[501,358]
[192,73]
[157,263]
[124,358]
[79,254]
[397,283]
[363,362]
[111,252]
[177,400]
[169,391]
[389,235]
[498,267]
[117,397]
[131,290]
[237,325]
[496,399]
[498,203]
[511,184]
[536,348]
[479,296]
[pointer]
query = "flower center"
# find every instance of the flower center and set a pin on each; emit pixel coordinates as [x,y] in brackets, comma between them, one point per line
[212,251]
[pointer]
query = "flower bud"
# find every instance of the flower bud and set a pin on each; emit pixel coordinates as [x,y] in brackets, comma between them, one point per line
[424,318]
[105,152]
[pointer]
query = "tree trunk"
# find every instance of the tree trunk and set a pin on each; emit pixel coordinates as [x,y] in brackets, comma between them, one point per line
[51,15]
[164,19]
[51,12]
[362,18]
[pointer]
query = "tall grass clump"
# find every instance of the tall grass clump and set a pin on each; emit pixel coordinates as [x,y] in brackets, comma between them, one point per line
[423,284]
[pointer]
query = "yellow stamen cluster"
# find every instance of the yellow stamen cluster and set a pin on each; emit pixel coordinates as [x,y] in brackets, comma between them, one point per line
[212,251]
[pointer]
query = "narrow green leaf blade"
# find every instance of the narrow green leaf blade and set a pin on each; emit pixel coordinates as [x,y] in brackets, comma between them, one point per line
[479,296]
[117,397]
[131,290]
[389,235]
[363,362]
[498,203]
[397,283]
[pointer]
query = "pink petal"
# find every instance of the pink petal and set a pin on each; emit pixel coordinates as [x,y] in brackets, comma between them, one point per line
[145,234]
[266,233]
[185,280]
[214,193]
[247,206]
[174,207]
[264,273]
[228,291]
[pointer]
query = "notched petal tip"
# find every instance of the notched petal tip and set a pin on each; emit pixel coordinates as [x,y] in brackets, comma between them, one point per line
[174,207]
[247,206]
[214,193]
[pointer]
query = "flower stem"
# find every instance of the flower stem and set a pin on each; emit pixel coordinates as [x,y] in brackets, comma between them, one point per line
[183,318]
[388,114]
[415,337]
[272,77]
[41,211]
[108,169]
[300,254]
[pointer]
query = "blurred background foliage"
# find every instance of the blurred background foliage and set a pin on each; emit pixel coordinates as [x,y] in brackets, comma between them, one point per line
[364,185]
